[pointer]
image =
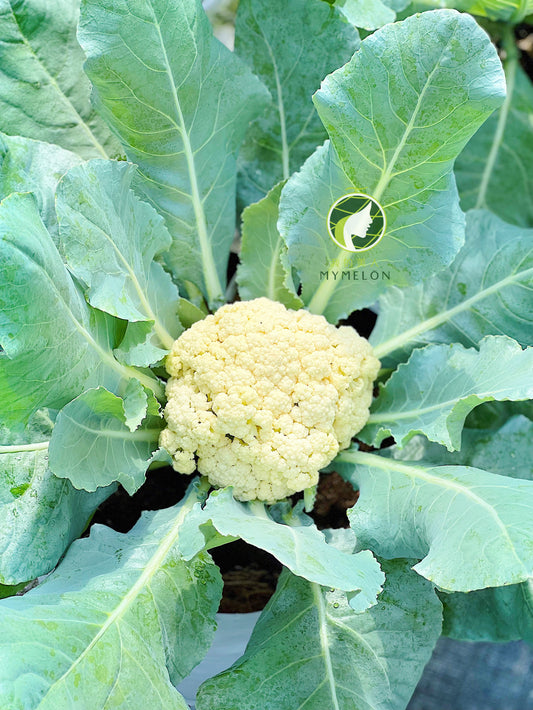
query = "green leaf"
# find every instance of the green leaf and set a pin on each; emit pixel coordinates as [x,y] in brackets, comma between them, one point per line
[40,515]
[309,649]
[485,292]
[262,270]
[120,621]
[366,14]
[302,549]
[6,591]
[500,614]
[398,146]
[185,102]
[512,11]
[439,385]
[54,344]
[32,166]
[470,528]
[507,451]
[110,239]
[93,445]
[291,47]
[503,146]
[44,93]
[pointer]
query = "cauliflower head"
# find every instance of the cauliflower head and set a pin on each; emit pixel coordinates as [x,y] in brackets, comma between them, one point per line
[261,397]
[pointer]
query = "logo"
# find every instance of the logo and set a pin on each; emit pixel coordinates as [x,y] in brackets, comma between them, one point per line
[356,222]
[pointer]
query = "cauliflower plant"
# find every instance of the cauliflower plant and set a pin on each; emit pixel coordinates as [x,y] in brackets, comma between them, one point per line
[261,398]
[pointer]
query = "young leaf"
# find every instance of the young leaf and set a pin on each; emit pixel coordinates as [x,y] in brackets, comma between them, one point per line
[302,549]
[110,239]
[291,47]
[39,513]
[93,445]
[485,292]
[399,147]
[471,529]
[185,103]
[262,271]
[439,385]
[44,93]
[309,649]
[507,451]
[502,147]
[120,621]
[364,14]
[32,166]
[54,344]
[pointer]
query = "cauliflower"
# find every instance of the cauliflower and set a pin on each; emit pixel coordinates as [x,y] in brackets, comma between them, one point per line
[261,398]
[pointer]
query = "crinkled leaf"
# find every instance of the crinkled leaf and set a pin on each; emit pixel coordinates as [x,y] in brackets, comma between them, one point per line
[120,621]
[302,549]
[502,147]
[54,344]
[92,443]
[397,145]
[110,239]
[439,385]
[44,93]
[486,291]
[309,649]
[40,515]
[185,102]
[32,166]
[507,451]
[291,47]
[499,614]
[8,591]
[470,528]
[262,271]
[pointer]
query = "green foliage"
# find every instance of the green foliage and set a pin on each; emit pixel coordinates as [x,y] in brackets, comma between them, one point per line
[310,647]
[396,145]
[186,104]
[275,40]
[104,624]
[103,263]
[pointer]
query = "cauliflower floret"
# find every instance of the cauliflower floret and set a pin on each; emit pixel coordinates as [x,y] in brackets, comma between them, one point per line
[261,397]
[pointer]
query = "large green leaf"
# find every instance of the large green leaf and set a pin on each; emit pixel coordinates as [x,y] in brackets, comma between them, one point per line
[486,291]
[40,515]
[32,166]
[398,146]
[291,47]
[310,650]
[503,146]
[262,270]
[185,103]
[497,614]
[110,239]
[54,344]
[120,621]
[507,451]
[44,93]
[94,442]
[301,548]
[471,529]
[439,385]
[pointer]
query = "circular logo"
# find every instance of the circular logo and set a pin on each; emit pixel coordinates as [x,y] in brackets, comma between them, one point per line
[356,222]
